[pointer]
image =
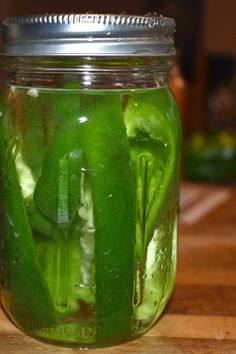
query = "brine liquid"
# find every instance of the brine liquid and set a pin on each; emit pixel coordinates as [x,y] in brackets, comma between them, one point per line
[65,221]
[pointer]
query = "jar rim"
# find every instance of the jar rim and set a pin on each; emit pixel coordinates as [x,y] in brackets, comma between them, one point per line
[88,34]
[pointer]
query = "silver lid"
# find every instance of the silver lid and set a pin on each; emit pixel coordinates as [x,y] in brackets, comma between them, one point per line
[88,34]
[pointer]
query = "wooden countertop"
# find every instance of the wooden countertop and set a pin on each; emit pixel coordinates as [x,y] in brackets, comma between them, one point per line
[201,315]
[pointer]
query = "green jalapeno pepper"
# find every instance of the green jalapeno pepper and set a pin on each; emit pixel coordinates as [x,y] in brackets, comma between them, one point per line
[24,287]
[107,155]
[31,115]
[57,195]
[154,142]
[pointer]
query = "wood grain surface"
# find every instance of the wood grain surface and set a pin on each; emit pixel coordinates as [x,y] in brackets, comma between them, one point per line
[201,315]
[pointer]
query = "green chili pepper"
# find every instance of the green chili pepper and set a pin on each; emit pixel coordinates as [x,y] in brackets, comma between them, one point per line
[57,192]
[108,158]
[34,131]
[25,289]
[153,140]
[31,118]
[46,113]
[153,136]
[60,177]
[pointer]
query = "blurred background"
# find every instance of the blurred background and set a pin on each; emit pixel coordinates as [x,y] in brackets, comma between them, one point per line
[203,79]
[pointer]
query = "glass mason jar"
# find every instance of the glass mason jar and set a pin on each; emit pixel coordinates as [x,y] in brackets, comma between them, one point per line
[90,144]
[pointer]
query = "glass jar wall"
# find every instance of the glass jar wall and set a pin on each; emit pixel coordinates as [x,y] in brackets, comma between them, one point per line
[90,159]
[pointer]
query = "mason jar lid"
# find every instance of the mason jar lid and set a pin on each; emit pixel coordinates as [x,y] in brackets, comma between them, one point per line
[88,34]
